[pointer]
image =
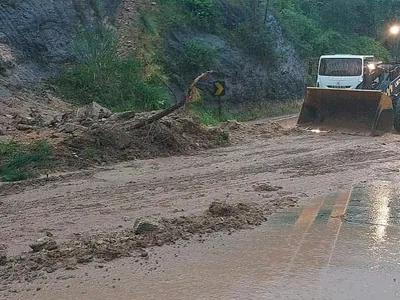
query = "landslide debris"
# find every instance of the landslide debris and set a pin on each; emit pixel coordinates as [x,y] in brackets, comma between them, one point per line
[115,138]
[47,255]
[93,135]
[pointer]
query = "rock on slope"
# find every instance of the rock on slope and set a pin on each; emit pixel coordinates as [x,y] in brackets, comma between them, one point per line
[40,32]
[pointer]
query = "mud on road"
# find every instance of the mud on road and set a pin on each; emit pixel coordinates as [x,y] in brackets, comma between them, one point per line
[262,174]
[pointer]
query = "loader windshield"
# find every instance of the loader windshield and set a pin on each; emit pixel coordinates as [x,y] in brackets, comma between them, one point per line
[340,67]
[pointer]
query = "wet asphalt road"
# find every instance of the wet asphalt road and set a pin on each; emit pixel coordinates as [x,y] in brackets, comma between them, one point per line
[350,251]
[343,246]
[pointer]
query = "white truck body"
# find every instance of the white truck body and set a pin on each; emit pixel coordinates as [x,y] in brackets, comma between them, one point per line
[342,71]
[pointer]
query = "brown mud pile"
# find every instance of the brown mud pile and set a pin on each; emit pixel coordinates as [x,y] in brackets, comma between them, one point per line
[47,256]
[23,111]
[93,135]
[114,140]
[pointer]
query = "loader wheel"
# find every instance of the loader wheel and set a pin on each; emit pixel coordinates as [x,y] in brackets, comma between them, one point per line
[397,115]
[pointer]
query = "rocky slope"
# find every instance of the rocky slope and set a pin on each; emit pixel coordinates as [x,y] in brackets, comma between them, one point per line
[36,38]
[40,33]
[247,78]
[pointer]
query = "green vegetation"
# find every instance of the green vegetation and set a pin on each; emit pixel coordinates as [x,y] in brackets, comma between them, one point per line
[338,26]
[197,56]
[135,81]
[202,11]
[213,16]
[202,14]
[315,27]
[209,115]
[19,161]
[103,76]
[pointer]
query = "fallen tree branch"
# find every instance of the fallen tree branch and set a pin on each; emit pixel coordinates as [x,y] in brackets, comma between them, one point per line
[169,110]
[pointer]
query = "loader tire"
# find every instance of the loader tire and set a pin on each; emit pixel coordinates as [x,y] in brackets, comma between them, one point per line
[397,115]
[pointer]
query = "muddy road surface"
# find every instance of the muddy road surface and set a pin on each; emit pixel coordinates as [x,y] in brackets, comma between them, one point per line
[274,173]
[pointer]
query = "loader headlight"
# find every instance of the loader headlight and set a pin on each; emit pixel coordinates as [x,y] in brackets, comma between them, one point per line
[371,66]
[394,30]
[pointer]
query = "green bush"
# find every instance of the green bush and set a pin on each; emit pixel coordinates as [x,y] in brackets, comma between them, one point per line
[8,148]
[301,31]
[369,45]
[208,113]
[101,75]
[330,42]
[18,161]
[202,9]
[211,16]
[203,13]
[197,56]
[328,27]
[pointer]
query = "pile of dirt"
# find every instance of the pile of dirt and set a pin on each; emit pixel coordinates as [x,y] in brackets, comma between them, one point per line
[47,255]
[94,135]
[116,138]
[243,132]
[22,112]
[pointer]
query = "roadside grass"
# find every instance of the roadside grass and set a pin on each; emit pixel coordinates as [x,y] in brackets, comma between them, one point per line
[20,161]
[209,115]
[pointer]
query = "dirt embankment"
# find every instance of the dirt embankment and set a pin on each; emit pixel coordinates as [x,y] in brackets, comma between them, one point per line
[116,139]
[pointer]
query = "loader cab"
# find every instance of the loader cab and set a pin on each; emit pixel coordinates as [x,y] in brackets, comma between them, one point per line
[342,71]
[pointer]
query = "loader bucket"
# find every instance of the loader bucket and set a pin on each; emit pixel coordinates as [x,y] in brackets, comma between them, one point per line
[355,111]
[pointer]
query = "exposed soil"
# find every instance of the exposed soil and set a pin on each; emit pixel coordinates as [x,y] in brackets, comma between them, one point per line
[34,107]
[127,15]
[266,187]
[252,179]
[111,141]
[241,132]
[84,142]
[48,256]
